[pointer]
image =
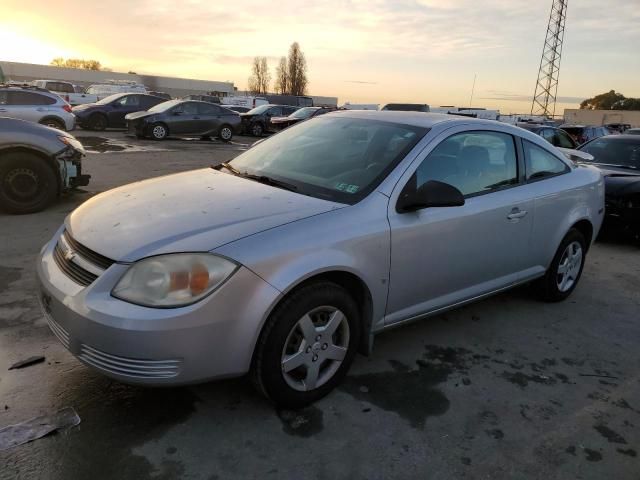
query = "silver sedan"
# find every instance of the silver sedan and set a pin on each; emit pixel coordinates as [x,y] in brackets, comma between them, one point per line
[289,259]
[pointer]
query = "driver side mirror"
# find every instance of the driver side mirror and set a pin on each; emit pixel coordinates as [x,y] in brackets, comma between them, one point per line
[429,194]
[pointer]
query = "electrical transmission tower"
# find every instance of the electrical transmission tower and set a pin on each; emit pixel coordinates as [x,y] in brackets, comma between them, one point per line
[544,98]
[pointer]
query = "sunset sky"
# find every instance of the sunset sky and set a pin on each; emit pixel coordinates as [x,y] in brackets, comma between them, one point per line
[371,51]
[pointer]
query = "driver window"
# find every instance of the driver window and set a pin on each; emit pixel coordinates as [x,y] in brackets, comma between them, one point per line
[130,100]
[473,162]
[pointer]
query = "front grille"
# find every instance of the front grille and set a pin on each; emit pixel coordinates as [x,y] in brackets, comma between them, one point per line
[93,257]
[130,367]
[74,271]
[79,263]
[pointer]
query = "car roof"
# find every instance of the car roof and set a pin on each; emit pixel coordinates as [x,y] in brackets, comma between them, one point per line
[417,119]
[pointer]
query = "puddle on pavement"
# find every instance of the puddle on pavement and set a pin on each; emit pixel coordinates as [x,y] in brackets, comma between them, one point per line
[108,145]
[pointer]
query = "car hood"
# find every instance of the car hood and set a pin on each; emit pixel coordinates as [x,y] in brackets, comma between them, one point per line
[84,107]
[193,211]
[283,120]
[136,115]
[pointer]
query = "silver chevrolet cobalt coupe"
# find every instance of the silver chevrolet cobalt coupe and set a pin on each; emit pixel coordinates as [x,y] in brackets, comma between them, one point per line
[289,259]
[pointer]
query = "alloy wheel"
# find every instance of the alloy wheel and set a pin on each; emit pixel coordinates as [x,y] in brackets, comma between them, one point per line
[315,348]
[226,133]
[569,266]
[159,131]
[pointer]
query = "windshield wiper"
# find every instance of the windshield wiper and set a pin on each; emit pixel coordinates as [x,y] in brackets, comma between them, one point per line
[258,178]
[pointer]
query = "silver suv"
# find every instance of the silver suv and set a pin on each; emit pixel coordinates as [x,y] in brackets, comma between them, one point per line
[36,105]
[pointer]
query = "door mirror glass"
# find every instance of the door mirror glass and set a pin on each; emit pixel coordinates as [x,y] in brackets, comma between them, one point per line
[430,194]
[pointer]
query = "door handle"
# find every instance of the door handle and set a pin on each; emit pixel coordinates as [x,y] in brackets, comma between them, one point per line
[516,213]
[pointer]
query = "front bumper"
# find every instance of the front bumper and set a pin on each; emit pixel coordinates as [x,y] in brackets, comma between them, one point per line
[622,211]
[211,339]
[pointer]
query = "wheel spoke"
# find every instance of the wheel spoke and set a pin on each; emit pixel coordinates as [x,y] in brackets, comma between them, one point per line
[562,268]
[308,329]
[332,325]
[335,352]
[311,379]
[292,362]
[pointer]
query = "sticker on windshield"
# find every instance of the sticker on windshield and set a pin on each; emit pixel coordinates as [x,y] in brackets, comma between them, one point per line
[346,187]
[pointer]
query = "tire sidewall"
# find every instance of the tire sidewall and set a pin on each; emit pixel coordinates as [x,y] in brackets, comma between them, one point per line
[98,122]
[257,130]
[154,136]
[552,292]
[47,182]
[283,319]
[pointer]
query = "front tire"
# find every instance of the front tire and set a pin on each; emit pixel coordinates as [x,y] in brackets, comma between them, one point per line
[565,270]
[27,184]
[98,122]
[159,131]
[307,345]
[257,130]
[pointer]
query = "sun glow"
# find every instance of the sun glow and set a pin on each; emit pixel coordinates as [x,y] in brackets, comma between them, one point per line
[26,47]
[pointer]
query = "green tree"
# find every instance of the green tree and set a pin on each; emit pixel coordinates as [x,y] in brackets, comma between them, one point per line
[604,101]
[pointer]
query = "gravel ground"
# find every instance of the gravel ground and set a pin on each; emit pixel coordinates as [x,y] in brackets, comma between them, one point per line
[506,388]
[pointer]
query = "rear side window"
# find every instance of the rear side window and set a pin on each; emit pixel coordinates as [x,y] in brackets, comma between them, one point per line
[561,139]
[28,98]
[60,87]
[206,109]
[473,162]
[540,163]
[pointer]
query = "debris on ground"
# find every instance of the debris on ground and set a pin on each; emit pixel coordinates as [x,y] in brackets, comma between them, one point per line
[28,362]
[38,427]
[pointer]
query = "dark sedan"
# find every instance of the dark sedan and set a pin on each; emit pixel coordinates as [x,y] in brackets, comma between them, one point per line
[280,123]
[184,117]
[555,136]
[110,111]
[618,156]
[258,120]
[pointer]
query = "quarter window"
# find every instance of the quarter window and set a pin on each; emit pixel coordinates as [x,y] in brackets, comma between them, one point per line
[541,163]
[473,162]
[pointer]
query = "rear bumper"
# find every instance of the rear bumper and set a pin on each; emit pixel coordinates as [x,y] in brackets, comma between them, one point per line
[211,339]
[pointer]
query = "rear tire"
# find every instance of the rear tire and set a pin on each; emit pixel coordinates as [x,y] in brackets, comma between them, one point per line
[27,184]
[322,358]
[53,123]
[98,122]
[159,131]
[226,133]
[565,270]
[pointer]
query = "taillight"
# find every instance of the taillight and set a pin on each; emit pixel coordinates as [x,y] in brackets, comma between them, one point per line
[67,108]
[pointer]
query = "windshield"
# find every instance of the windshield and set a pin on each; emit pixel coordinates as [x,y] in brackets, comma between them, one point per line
[259,110]
[110,98]
[331,157]
[303,113]
[164,106]
[615,151]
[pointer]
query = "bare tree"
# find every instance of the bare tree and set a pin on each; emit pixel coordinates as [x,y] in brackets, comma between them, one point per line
[297,71]
[281,84]
[76,63]
[260,77]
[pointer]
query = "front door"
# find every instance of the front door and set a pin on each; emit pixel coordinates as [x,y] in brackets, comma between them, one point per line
[445,255]
[185,119]
[123,106]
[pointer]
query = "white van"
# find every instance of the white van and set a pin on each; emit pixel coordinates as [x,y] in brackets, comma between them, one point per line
[245,101]
[102,90]
[69,92]
[361,106]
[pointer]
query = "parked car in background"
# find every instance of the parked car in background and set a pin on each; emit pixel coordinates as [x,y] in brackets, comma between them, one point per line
[37,163]
[286,261]
[406,107]
[632,131]
[618,156]
[162,95]
[236,108]
[203,98]
[617,127]
[258,120]
[110,111]
[555,136]
[36,105]
[184,117]
[68,91]
[103,90]
[360,106]
[583,133]
[280,123]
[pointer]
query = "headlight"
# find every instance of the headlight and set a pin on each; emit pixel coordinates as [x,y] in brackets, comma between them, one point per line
[72,142]
[173,280]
